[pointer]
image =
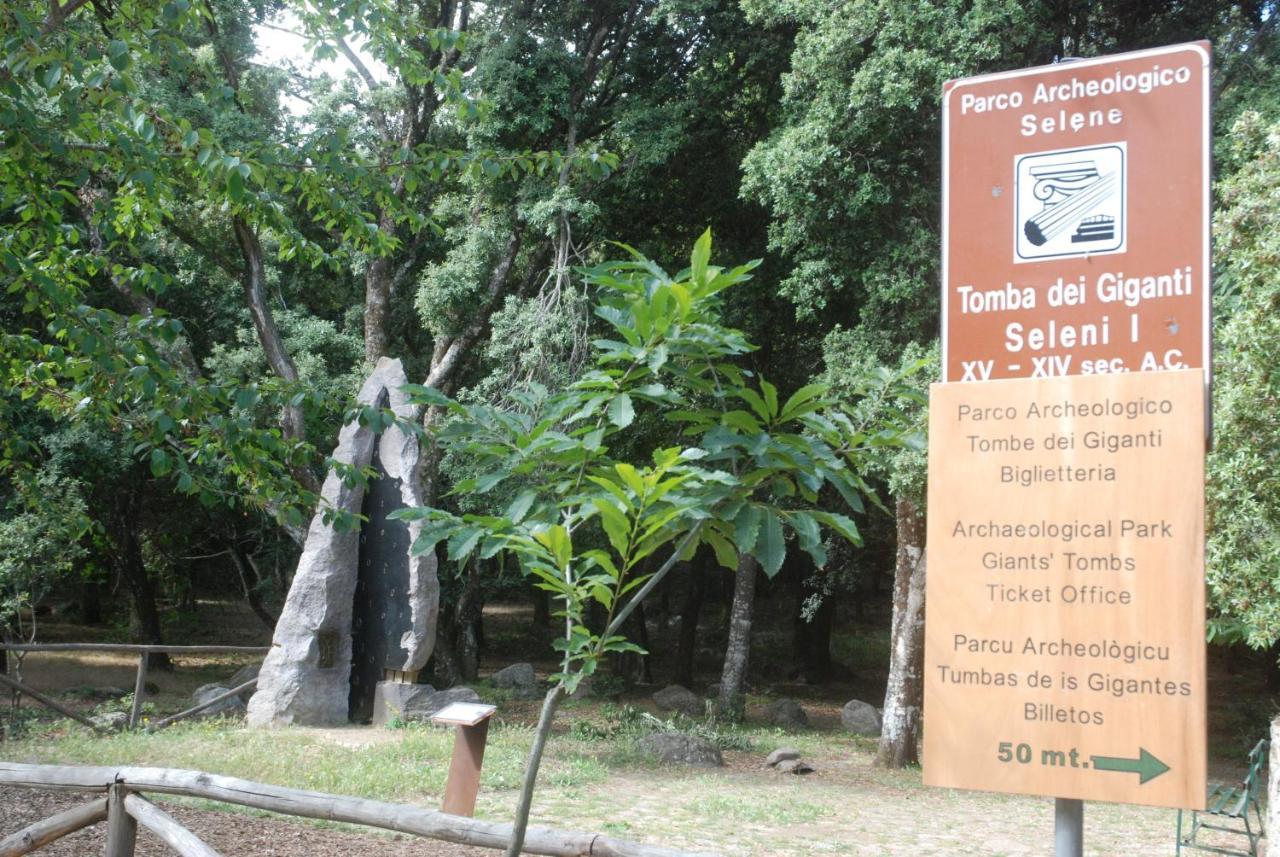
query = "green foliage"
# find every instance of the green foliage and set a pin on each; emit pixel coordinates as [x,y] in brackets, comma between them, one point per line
[594,527]
[849,366]
[1244,467]
[329,363]
[851,174]
[41,531]
[135,134]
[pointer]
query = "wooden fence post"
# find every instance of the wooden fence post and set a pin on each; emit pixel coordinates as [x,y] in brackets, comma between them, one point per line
[122,830]
[164,826]
[139,691]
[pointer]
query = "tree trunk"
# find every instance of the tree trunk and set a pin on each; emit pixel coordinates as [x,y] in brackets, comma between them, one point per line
[377,303]
[644,671]
[733,678]
[133,571]
[91,602]
[249,584]
[456,656]
[904,696]
[468,652]
[540,735]
[254,281]
[686,647]
[444,666]
[812,641]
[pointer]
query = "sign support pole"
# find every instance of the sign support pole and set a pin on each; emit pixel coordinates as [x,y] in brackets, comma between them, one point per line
[1068,827]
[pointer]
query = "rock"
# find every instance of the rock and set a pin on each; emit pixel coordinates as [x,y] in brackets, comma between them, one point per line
[786,713]
[675,749]
[305,678]
[229,707]
[782,754]
[422,707]
[113,720]
[391,699]
[585,688]
[794,766]
[860,718]
[241,676]
[517,677]
[680,699]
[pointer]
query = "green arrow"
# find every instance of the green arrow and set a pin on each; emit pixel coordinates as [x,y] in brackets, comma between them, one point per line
[1146,766]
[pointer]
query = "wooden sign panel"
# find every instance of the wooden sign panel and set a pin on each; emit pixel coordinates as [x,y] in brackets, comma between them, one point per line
[1064,646]
[1075,235]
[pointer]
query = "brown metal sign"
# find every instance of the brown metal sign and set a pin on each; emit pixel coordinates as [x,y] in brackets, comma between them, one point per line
[1076,218]
[1064,647]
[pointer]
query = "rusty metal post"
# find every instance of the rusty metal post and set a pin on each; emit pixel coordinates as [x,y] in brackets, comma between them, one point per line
[472,722]
[463,784]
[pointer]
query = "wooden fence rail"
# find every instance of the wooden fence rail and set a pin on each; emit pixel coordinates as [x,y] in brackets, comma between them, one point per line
[140,679]
[135,648]
[125,808]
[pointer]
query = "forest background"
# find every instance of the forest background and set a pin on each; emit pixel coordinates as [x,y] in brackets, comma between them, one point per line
[205,249]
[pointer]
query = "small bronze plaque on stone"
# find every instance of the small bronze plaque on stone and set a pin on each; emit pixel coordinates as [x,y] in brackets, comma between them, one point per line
[327,647]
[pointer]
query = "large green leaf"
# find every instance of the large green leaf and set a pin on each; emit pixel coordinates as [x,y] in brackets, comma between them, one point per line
[746,528]
[700,257]
[520,506]
[841,525]
[810,535]
[621,412]
[463,542]
[771,548]
[616,526]
[726,555]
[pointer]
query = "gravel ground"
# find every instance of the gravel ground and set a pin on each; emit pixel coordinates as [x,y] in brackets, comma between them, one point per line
[229,833]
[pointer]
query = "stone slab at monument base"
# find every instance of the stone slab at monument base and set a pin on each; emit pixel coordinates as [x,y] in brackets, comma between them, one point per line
[306,678]
[392,699]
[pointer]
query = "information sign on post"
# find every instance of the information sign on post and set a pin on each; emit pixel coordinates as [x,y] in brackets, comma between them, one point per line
[1076,218]
[1064,651]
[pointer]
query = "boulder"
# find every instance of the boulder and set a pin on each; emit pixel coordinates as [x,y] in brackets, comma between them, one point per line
[422,707]
[517,677]
[392,699]
[242,675]
[679,699]
[782,754]
[229,707]
[786,713]
[305,678]
[672,748]
[794,766]
[113,720]
[861,718]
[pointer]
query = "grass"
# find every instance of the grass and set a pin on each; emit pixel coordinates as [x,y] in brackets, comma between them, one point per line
[594,780]
[403,765]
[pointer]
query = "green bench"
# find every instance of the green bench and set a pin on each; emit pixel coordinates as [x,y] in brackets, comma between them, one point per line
[1227,809]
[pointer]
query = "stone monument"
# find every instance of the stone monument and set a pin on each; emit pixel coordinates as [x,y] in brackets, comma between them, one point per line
[361,610]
